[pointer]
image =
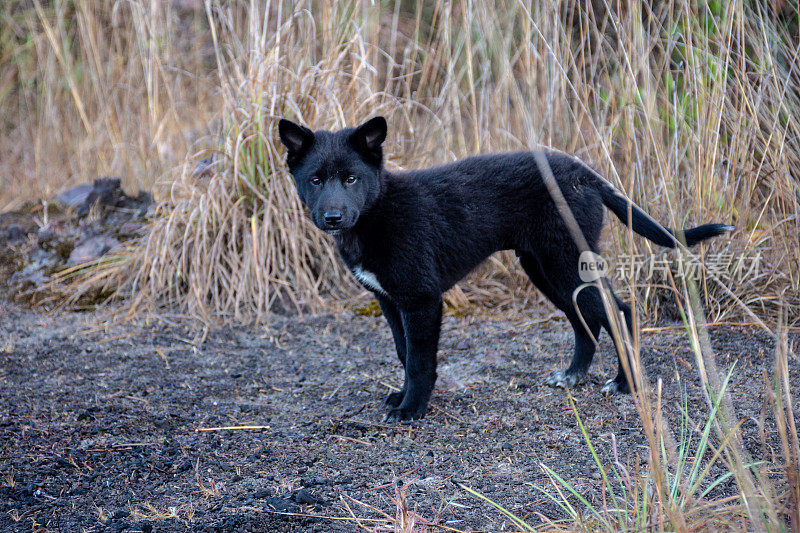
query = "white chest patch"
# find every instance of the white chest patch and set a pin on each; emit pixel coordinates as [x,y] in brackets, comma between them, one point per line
[368,279]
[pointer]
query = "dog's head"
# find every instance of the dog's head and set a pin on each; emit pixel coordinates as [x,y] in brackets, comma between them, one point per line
[337,174]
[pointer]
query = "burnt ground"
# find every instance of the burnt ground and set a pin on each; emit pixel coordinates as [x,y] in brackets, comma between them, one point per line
[101,428]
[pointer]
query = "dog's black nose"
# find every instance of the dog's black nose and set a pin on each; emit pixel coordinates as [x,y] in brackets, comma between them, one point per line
[333,216]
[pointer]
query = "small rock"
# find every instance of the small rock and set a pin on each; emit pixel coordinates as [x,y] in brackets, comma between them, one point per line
[104,191]
[304,497]
[76,196]
[91,249]
[281,505]
[15,233]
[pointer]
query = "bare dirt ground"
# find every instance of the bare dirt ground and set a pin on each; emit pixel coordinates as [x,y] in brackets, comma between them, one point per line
[102,428]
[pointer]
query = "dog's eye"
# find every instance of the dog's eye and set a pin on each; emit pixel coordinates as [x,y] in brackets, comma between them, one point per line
[350,180]
[315,181]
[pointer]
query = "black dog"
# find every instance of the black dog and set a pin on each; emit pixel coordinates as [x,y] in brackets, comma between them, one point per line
[410,236]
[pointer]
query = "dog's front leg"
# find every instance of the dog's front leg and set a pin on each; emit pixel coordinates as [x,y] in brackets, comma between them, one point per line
[395,320]
[421,324]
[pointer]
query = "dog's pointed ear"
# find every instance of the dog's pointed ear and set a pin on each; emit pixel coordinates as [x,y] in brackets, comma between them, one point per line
[368,137]
[297,139]
[372,133]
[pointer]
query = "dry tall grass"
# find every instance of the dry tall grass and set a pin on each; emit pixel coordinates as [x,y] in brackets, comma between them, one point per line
[691,109]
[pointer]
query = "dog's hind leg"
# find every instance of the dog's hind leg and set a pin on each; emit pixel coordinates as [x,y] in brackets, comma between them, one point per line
[392,314]
[619,383]
[585,347]
[586,320]
[591,309]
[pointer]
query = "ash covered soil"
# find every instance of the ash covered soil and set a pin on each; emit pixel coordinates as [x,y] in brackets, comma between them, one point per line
[103,427]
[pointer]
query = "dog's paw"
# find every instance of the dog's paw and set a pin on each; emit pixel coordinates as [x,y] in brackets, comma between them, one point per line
[404,414]
[563,380]
[394,399]
[612,386]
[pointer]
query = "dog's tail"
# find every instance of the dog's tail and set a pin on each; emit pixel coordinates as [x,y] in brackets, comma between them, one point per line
[647,227]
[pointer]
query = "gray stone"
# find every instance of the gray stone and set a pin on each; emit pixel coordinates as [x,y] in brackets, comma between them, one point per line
[91,249]
[15,233]
[104,191]
[76,196]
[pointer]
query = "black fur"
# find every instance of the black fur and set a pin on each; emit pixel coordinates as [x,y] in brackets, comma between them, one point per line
[410,236]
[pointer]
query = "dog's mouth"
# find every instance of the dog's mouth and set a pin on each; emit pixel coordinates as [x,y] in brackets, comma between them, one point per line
[336,230]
